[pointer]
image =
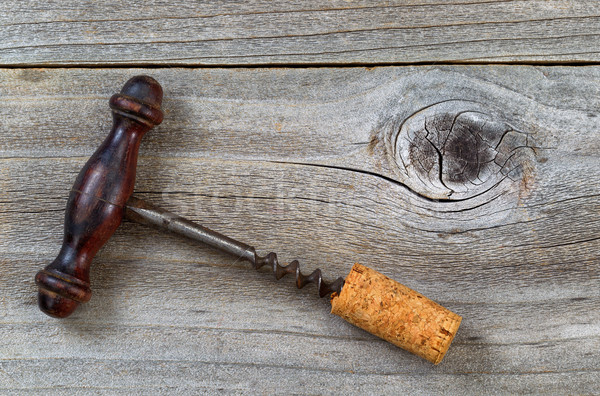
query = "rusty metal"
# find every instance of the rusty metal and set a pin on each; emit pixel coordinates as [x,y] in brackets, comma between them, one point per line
[143,212]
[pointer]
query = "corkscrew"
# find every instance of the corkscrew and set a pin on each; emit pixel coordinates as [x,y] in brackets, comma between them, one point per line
[101,197]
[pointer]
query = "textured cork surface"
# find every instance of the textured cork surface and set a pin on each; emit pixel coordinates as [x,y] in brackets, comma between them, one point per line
[397,314]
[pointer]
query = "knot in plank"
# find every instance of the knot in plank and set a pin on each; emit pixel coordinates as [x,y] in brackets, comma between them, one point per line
[458,149]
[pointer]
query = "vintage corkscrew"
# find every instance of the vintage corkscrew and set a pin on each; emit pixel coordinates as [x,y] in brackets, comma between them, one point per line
[101,197]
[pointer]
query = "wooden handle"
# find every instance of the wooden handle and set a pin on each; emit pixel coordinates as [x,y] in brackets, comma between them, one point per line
[96,203]
[397,314]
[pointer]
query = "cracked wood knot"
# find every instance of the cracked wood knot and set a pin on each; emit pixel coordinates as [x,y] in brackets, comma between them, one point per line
[458,149]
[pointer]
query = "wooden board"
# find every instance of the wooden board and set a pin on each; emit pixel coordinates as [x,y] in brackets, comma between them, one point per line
[328,166]
[338,32]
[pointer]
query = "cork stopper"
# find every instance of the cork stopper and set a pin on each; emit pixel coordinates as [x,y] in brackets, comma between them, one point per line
[397,314]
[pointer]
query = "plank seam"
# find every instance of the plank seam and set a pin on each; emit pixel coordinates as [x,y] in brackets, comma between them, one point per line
[294,65]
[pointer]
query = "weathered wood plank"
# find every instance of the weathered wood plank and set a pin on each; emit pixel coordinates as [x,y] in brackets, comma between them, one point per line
[307,32]
[306,162]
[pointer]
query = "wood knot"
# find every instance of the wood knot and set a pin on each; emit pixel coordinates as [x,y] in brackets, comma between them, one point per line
[458,149]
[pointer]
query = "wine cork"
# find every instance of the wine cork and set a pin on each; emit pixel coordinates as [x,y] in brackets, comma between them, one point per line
[397,314]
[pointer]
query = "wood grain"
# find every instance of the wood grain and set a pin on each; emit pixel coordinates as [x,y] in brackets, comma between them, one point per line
[302,162]
[320,32]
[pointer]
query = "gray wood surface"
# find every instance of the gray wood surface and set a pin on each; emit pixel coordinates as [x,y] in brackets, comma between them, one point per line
[338,32]
[329,166]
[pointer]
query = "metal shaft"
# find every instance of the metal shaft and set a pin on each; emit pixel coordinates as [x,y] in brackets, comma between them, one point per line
[145,213]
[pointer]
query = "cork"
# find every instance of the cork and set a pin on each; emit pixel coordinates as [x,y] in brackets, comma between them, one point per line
[397,314]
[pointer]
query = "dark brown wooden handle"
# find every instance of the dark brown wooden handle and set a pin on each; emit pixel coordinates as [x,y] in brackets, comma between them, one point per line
[96,203]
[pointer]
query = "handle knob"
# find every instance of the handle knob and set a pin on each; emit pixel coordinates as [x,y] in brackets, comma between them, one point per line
[96,203]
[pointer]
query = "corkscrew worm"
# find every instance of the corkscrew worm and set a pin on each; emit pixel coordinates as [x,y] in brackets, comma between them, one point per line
[143,212]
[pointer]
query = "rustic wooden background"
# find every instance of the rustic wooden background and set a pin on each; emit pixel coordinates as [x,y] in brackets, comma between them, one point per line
[453,146]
